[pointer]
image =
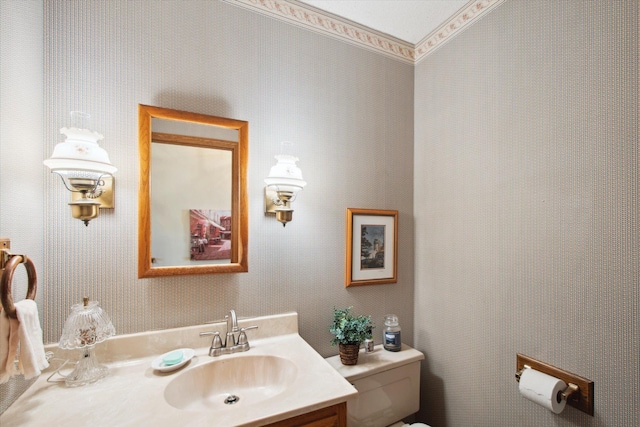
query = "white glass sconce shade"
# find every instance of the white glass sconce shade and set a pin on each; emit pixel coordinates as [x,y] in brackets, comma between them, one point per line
[82,163]
[283,183]
[80,156]
[285,175]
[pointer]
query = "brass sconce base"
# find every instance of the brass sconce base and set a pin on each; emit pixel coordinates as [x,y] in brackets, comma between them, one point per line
[269,197]
[279,205]
[102,195]
[284,216]
[85,210]
[89,198]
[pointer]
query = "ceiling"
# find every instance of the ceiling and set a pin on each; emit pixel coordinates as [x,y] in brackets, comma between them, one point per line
[407,20]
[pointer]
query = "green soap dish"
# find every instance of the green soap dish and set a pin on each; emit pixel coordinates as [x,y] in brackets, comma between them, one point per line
[172,358]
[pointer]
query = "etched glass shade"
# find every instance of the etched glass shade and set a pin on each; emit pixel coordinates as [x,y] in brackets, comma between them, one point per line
[86,326]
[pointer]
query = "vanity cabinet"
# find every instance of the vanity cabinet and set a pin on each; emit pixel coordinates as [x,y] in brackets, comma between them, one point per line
[332,416]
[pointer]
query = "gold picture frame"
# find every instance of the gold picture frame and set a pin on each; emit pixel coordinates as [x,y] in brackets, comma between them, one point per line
[372,247]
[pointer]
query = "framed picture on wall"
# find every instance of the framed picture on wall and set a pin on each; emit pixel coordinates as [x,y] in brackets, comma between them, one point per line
[372,247]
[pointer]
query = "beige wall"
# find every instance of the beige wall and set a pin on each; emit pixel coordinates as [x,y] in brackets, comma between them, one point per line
[339,104]
[526,211]
[21,124]
[348,110]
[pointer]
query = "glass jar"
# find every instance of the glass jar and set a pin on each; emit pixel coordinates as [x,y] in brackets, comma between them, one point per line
[391,334]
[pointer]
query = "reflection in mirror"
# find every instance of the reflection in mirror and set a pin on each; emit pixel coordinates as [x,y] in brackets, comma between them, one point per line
[193,204]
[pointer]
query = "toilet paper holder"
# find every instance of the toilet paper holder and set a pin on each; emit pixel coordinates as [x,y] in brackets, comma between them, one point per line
[564,395]
[579,392]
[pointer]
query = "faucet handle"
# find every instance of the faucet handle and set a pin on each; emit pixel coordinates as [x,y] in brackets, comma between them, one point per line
[243,342]
[216,343]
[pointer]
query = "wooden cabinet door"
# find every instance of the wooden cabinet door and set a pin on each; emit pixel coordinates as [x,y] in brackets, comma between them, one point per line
[332,416]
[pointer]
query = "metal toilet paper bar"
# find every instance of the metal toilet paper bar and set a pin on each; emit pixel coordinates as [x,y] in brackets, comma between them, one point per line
[579,392]
[564,395]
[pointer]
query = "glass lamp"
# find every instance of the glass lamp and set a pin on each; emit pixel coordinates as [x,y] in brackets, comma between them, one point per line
[81,164]
[86,326]
[283,183]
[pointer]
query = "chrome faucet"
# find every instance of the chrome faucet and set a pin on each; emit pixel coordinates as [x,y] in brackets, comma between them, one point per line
[232,328]
[230,344]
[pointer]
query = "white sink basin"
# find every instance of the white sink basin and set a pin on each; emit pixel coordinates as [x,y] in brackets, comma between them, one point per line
[232,382]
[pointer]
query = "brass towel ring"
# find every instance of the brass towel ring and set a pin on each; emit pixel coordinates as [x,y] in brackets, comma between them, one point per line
[7,277]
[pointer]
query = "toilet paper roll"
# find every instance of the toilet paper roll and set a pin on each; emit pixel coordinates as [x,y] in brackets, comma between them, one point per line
[543,389]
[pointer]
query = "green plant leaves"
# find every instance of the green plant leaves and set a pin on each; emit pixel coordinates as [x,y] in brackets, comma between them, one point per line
[350,329]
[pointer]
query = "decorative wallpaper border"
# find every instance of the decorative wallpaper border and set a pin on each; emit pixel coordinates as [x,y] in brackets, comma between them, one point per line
[462,19]
[311,18]
[332,25]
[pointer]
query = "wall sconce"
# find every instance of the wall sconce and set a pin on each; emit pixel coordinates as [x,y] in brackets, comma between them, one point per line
[283,183]
[84,167]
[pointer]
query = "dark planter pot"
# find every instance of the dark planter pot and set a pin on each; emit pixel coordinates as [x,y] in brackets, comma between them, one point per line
[349,353]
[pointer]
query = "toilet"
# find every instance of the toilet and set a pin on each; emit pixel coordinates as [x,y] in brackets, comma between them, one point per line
[388,385]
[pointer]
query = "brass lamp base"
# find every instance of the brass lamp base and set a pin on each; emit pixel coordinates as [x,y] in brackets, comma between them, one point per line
[278,203]
[102,194]
[90,196]
[85,210]
[284,215]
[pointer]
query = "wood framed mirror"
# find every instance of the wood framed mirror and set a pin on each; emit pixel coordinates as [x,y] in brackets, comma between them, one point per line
[193,212]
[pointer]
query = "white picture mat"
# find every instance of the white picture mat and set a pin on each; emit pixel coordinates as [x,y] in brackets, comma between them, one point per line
[372,274]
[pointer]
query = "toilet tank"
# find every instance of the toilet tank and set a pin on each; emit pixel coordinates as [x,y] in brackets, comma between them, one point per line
[388,385]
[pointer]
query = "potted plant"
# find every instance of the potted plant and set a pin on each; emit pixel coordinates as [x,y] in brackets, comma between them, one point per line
[349,331]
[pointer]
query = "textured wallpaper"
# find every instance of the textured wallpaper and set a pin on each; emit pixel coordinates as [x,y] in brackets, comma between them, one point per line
[526,212]
[348,110]
[21,170]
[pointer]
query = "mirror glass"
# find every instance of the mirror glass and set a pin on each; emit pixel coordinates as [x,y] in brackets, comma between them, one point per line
[193,208]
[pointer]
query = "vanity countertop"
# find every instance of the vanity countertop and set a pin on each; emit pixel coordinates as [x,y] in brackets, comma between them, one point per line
[133,392]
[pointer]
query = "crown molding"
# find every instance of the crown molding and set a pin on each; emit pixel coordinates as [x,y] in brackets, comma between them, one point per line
[303,15]
[332,25]
[459,21]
